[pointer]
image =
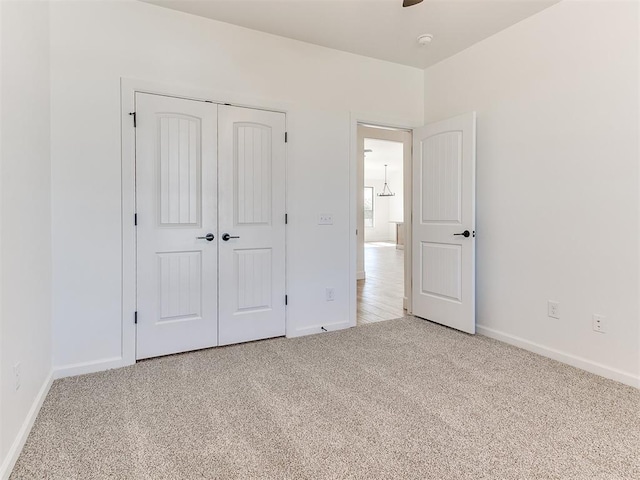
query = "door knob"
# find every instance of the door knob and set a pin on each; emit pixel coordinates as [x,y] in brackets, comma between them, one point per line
[465,234]
[209,237]
[226,237]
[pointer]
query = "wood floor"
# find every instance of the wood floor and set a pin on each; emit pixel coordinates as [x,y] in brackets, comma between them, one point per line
[380,294]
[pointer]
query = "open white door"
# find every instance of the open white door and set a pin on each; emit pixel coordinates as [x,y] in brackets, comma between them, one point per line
[252,224]
[176,201]
[444,177]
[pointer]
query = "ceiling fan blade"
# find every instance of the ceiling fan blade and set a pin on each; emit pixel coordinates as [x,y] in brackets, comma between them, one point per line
[410,3]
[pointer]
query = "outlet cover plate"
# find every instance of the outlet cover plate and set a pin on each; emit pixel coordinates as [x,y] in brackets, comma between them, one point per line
[330,294]
[599,323]
[553,309]
[325,219]
[17,372]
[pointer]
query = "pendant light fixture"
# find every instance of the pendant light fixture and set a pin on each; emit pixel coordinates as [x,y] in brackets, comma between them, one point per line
[386,191]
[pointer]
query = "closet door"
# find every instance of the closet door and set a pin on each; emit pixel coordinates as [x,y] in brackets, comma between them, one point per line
[176,205]
[252,224]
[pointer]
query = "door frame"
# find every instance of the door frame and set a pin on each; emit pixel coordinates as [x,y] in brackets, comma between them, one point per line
[128,89]
[373,120]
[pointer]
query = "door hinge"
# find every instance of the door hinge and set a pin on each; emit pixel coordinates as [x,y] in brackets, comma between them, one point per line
[135,318]
[286,218]
[134,119]
[286,137]
[135,219]
[286,299]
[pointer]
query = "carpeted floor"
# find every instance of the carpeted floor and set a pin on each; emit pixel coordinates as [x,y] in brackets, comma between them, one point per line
[398,399]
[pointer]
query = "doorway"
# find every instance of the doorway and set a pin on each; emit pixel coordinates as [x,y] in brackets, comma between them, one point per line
[384,213]
[210,224]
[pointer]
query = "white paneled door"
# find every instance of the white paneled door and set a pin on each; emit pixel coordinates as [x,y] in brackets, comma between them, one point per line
[176,205]
[210,200]
[252,224]
[444,222]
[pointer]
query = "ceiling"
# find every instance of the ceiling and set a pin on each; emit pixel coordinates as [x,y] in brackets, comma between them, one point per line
[375,28]
[383,152]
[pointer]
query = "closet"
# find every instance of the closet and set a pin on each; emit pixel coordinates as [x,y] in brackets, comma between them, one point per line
[210,224]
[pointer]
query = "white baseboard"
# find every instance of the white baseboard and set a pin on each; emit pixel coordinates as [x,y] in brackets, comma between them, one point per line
[593,367]
[329,327]
[361,275]
[21,438]
[89,367]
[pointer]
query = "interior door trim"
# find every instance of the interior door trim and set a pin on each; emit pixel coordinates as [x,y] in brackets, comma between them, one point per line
[366,119]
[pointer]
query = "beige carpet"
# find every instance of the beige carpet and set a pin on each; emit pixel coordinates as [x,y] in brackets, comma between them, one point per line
[399,399]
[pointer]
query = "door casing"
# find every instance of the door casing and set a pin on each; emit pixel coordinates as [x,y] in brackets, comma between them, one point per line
[367,131]
[355,154]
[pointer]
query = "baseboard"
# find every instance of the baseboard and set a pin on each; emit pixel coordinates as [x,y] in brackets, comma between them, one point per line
[89,367]
[573,360]
[361,275]
[329,327]
[23,433]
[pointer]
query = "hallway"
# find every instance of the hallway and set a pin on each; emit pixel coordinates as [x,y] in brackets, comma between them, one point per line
[380,295]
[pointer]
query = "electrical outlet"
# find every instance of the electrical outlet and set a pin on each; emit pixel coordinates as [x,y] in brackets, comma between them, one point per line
[553,309]
[330,294]
[599,323]
[325,219]
[17,374]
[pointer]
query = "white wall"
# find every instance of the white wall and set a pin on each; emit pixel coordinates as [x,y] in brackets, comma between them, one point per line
[557,187]
[380,231]
[3,453]
[396,204]
[385,209]
[25,238]
[94,44]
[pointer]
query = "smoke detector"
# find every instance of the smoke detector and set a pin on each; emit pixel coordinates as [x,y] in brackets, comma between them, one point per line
[425,39]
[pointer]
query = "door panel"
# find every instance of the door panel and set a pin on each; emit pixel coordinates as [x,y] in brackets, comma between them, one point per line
[441,268]
[176,201]
[180,277]
[252,208]
[178,157]
[441,178]
[253,271]
[444,207]
[252,160]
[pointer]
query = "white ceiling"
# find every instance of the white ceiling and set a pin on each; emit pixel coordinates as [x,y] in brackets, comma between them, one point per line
[375,28]
[383,152]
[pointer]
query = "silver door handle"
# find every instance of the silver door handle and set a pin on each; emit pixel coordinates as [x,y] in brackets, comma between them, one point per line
[209,237]
[226,237]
